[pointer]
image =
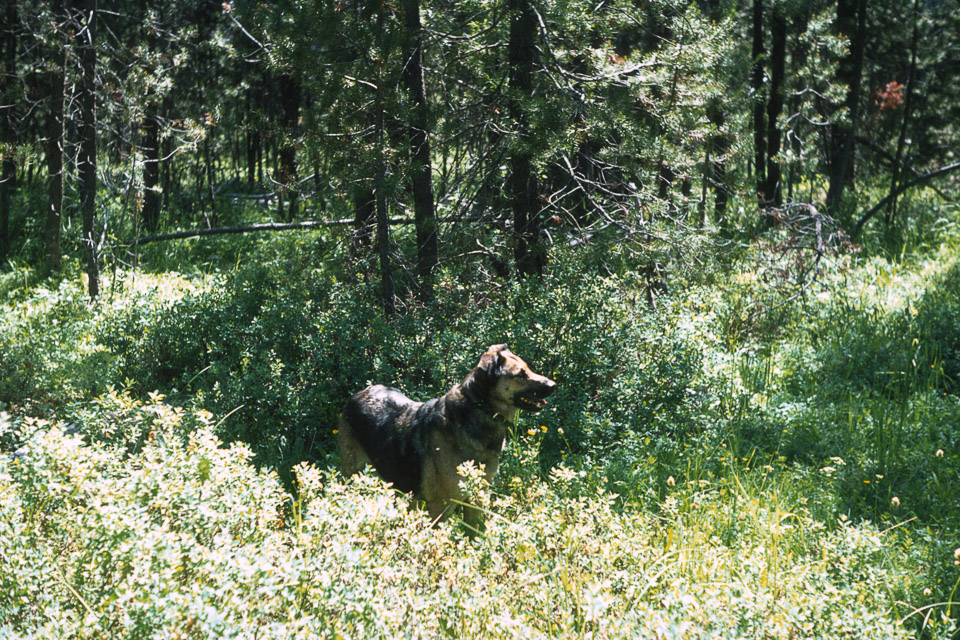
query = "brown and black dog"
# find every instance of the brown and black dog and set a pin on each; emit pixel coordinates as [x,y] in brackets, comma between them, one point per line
[417,446]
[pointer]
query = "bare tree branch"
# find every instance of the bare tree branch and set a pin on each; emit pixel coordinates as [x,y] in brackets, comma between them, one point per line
[902,188]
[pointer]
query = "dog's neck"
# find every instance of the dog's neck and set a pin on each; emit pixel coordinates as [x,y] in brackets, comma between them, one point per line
[506,414]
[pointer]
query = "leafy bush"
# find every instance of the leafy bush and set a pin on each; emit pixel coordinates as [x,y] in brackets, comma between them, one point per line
[193,541]
[48,352]
[282,359]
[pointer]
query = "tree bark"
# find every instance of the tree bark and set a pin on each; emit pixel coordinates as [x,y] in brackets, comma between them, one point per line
[718,145]
[88,144]
[798,56]
[756,83]
[289,89]
[150,214]
[364,214]
[529,253]
[422,178]
[852,22]
[8,172]
[380,184]
[210,177]
[169,184]
[778,56]
[54,149]
[252,131]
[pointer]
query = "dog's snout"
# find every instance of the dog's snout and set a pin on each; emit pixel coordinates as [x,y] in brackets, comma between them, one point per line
[545,386]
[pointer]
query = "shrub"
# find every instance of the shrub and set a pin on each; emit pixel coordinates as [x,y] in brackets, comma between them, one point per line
[282,359]
[193,541]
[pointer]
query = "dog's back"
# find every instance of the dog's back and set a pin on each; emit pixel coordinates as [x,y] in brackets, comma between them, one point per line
[377,426]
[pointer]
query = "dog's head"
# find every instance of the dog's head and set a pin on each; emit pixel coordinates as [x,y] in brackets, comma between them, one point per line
[506,383]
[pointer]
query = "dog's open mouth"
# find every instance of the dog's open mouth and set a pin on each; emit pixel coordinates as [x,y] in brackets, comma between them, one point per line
[534,399]
[532,404]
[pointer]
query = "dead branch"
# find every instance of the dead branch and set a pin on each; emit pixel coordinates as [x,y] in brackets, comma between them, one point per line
[901,189]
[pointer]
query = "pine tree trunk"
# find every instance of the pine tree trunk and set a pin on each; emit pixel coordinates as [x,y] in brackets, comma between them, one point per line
[778,56]
[88,145]
[289,89]
[364,213]
[150,213]
[54,152]
[799,53]
[8,172]
[718,147]
[756,83]
[422,179]
[529,253]
[253,139]
[852,21]
[210,178]
[380,184]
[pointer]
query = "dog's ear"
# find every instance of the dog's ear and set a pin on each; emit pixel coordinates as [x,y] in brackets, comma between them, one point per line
[480,380]
[492,359]
[496,353]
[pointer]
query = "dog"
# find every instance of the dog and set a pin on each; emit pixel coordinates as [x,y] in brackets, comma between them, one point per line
[417,446]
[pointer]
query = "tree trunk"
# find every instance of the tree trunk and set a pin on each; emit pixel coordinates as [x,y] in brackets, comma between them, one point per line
[364,212]
[383,242]
[253,136]
[778,56]
[8,171]
[88,144]
[210,178]
[529,253]
[380,185]
[756,83]
[150,214]
[259,152]
[8,185]
[54,151]
[897,169]
[798,56]
[718,146]
[422,179]
[852,22]
[289,89]
[169,187]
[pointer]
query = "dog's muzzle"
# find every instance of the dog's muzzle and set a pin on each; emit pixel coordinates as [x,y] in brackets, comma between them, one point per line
[535,399]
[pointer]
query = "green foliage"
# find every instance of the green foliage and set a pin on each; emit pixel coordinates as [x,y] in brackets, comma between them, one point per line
[281,360]
[190,540]
[703,466]
[48,352]
[731,462]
